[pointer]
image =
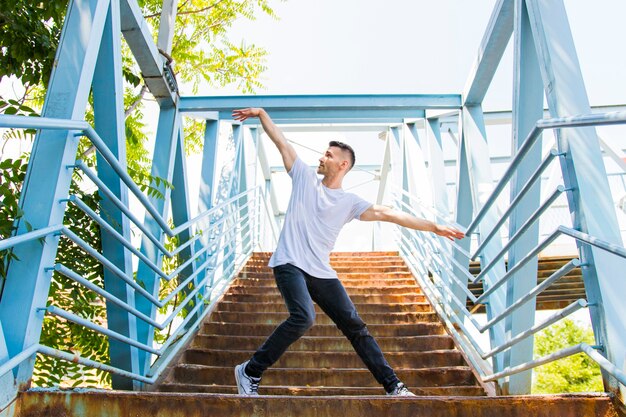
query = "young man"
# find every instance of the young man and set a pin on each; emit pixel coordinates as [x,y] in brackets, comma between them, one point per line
[318,209]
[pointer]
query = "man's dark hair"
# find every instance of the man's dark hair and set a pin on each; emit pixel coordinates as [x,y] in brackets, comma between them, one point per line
[344,147]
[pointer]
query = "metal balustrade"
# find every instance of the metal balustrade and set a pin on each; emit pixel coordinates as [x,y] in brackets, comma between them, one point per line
[429,257]
[230,235]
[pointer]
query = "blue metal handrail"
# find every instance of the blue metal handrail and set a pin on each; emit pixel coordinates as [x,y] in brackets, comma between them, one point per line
[599,119]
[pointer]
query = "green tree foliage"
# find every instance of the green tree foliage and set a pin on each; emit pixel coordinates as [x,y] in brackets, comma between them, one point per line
[576,373]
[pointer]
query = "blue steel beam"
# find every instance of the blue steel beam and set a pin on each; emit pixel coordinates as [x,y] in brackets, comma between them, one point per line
[48,180]
[180,215]
[311,103]
[108,103]
[338,115]
[497,35]
[527,109]
[140,40]
[480,181]
[583,170]
[162,167]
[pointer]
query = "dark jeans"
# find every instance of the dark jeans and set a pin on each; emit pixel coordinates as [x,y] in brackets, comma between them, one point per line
[300,290]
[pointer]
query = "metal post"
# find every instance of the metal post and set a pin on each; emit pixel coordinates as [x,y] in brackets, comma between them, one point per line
[48,180]
[474,137]
[527,109]
[180,215]
[583,170]
[162,167]
[108,103]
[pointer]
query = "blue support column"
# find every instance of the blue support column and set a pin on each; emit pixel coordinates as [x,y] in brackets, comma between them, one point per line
[437,176]
[527,109]
[464,202]
[232,187]
[591,204]
[180,215]
[108,102]
[243,186]
[474,137]
[207,191]
[162,167]
[48,180]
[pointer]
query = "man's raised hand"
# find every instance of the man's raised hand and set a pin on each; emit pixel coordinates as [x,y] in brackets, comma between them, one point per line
[242,114]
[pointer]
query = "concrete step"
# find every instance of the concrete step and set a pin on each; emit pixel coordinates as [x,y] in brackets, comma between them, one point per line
[145,404]
[338,377]
[468,390]
[362,308]
[326,344]
[356,298]
[377,330]
[331,360]
[368,318]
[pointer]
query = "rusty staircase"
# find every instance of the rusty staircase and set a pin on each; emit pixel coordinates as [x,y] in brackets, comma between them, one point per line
[320,375]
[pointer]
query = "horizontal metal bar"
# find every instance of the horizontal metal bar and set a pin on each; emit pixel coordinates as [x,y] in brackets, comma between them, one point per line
[529,184]
[573,307]
[29,122]
[118,203]
[27,237]
[100,329]
[520,232]
[321,102]
[48,351]
[564,270]
[106,226]
[597,119]
[593,119]
[121,172]
[110,266]
[105,294]
[594,241]
[16,360]
[604,363]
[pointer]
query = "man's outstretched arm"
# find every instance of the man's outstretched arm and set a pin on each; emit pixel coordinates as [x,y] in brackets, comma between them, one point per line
[387,214]
[276,135]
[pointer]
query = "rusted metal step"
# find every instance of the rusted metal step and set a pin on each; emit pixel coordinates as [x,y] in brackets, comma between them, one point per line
[356,298]
[159,404]
[338,377]
[327,343]
[377,330]
[461,390]
[369,318]
[362,308]
[331,360]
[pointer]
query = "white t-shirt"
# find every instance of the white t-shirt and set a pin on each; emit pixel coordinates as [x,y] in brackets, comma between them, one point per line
[313,221]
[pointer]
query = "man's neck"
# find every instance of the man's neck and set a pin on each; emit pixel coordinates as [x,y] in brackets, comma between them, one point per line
[332,182]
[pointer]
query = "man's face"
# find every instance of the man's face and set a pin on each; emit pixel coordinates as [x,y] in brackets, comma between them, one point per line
[331,161]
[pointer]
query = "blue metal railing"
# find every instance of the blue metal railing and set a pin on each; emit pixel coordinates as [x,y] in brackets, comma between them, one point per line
[432,255]
[229,230]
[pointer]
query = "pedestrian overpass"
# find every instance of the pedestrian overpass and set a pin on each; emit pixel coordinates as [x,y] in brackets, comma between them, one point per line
[238,214]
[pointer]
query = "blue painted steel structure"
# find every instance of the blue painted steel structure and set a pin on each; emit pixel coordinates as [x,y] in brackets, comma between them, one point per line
[235,213]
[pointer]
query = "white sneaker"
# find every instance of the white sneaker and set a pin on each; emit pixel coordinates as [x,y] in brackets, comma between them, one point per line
[401,391]
[246,385]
